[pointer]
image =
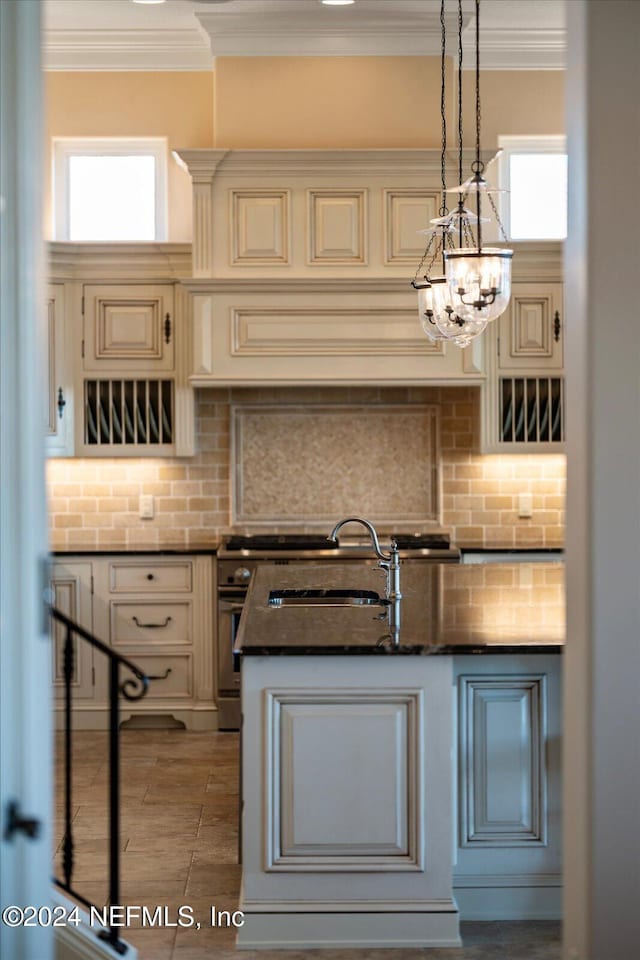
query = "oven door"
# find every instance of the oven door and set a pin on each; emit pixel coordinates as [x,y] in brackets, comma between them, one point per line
[229,612]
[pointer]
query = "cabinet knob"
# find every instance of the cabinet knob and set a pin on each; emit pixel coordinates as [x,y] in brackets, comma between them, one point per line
[150,576]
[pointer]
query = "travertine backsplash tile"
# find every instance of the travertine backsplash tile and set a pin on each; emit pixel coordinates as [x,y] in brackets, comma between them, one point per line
[94,503]
[318,462]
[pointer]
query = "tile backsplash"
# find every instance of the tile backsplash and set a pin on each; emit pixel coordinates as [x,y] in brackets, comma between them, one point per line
[94,502]
[318,462]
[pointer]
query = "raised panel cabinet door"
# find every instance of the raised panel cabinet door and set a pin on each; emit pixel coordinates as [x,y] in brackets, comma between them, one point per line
[502,768]
[71,594]
[531,332]
[128,327]
[509,791]
[57,392]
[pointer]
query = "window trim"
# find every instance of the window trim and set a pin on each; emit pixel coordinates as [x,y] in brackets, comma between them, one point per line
[510,145]
[66,147]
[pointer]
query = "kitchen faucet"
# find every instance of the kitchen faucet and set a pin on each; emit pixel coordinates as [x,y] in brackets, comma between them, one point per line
[388,561]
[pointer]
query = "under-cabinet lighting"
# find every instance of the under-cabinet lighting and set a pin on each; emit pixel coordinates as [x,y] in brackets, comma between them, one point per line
[337,3]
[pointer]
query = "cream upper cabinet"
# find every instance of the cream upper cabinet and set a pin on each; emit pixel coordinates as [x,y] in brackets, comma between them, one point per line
[128,327]
[126,349]
[531,331]
[523,398]
[58,382]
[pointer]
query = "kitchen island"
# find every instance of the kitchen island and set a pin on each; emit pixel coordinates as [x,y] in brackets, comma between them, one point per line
[390,774]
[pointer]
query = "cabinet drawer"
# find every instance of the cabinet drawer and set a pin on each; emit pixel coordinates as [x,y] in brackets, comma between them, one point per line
[151,577]
[150,622]
[176,685]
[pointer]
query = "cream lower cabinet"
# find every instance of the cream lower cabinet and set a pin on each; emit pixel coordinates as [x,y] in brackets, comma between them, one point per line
[71,586]
[157,612]
[508,824]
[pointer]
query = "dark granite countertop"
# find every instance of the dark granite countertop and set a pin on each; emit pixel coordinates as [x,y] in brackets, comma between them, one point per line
[446,609]
[134,551]
[551,552]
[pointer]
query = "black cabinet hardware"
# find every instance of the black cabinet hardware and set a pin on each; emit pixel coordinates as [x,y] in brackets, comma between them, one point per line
[160,676]
[17,823]
[152,626]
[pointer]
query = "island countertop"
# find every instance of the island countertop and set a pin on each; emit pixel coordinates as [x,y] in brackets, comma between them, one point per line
[446,609]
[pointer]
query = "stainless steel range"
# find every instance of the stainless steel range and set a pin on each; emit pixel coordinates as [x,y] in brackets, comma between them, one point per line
[239,556]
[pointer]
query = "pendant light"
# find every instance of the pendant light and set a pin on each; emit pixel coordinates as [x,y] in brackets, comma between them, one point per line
[438,305]
[479,278]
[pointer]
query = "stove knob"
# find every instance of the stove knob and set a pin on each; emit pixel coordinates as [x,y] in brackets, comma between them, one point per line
[242,575]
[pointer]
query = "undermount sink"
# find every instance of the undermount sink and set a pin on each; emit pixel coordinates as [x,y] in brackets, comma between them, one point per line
[325,598]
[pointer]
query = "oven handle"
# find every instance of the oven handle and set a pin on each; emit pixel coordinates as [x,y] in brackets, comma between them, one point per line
[231,607]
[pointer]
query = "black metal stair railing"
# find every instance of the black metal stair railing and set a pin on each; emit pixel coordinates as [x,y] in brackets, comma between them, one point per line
[133,688]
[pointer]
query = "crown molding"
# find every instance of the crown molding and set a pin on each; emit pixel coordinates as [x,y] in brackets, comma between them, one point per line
[504,49]
[117,261]
[235,35]
[304,33]
[206,163]
[126,50]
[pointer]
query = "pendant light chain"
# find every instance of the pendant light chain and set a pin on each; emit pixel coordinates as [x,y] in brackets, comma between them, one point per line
[460,139]
[418,274]
[478,162]
[476,283]
[478,166]
[434,243]
[443,115]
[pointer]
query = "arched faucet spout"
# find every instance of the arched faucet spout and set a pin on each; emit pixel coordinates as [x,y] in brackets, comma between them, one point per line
[389,561]
[333,536]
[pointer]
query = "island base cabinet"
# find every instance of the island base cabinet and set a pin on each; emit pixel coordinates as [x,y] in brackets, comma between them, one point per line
[508,863]
[347,802]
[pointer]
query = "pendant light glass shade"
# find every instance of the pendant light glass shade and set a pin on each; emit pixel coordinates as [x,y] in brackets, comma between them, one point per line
[426,314]
[439,316]
[479,281]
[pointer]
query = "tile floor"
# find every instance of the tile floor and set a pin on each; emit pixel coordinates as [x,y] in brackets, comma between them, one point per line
[179,839]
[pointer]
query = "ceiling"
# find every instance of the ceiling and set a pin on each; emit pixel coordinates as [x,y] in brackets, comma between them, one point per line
[189,34]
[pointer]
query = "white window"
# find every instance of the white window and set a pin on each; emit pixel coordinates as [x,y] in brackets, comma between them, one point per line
[108,189]
[534,172]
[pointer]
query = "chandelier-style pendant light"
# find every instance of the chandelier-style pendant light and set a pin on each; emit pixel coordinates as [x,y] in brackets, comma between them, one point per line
[437,305]
[479,277]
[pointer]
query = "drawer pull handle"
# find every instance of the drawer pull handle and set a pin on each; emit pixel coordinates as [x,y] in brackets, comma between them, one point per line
[160,676]
[150,576]
[152,626]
